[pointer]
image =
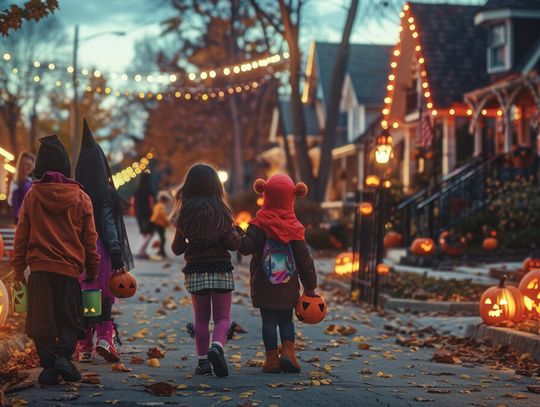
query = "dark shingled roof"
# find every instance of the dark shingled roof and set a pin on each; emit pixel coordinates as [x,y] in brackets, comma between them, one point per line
[515,4]
[368,67]
[454,50]
[310,117]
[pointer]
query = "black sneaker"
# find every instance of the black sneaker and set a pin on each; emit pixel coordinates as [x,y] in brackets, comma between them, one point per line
[217,359]
[204,368]
[66,369]
[48,377]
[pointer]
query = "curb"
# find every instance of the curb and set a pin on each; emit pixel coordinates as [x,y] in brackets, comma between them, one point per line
[8,344]
[521,342]
[409,305]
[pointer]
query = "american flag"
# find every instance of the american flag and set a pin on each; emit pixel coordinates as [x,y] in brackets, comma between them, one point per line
[426,131]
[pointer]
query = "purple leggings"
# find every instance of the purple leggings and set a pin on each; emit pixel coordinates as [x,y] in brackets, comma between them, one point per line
[219,305]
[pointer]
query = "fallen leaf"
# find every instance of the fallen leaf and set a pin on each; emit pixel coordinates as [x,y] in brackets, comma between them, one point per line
[153,362]
[135,360]
[442,356]
[120,368]
[155,353]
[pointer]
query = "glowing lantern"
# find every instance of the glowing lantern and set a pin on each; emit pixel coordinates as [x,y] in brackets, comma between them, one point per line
[373,181]
[392,239]
[344,263]
[383,150]
[501,303]
[530,263]
[242,219]
[365,208]
[490,243]
[530,289]
[91,299]
[383,269]
[4,303]
[423,246]
[19,297]
[451,244]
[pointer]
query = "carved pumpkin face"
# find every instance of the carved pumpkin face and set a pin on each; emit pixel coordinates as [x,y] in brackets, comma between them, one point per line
[530,263]
[530,288]
[423,246]
[501,303]
[123,285]
[365,208]
[344,263]
[311,310]
[383,269]
[4,303]
[392,239]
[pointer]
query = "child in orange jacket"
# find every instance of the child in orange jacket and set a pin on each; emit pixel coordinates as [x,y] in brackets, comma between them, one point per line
[56,238]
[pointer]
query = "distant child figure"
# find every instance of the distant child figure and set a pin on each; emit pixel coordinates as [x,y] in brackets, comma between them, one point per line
[143,203]
[21,182]
[94,174]
[160,219]
[280,259]
[56,238]
[205,232]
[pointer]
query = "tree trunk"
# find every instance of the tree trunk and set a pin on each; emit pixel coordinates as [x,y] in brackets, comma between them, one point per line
[332,115]
[10,115]
[297,108]
[237,182]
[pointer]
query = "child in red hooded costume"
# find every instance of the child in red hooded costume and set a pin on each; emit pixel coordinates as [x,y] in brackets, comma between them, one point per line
[277,220]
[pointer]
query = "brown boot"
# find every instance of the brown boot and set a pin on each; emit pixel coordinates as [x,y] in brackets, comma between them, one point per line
[271,364]
[287,360]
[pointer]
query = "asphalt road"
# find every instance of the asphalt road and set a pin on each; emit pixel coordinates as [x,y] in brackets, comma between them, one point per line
[336,370]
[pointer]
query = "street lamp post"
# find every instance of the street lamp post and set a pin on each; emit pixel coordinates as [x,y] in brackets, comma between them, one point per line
[383,153]
[75,102]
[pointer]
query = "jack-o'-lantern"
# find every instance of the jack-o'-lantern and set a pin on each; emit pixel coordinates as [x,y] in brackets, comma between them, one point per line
[311,310]
[242,219]
[490,243]
[373,181]
[365,208]
[392,239]
[345,264]
[122,284]
[501,303]
[423,246]
[19,297]
[4,303]
[530,263]
[383,269]
[451,244]
[529,286]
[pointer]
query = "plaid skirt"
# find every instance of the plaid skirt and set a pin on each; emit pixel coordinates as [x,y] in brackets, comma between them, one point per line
[208,277]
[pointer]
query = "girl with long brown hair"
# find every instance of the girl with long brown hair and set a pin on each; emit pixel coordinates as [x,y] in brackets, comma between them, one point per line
[205,232]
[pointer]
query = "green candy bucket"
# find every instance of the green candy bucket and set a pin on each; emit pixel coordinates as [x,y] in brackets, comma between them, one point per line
[20,297]
[91,299]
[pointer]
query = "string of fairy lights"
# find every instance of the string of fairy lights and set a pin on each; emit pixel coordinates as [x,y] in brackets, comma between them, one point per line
[131,172]
[194,87]
[409,23]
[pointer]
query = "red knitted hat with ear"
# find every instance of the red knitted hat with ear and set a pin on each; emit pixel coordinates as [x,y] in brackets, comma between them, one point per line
[277,218]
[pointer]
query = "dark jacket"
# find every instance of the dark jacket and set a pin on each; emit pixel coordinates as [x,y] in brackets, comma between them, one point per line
[264,294]
[218,252]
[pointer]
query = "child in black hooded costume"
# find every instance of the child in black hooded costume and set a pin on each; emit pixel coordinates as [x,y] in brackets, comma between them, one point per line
[94,174]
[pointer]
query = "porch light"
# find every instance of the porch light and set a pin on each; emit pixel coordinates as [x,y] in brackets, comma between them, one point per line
[383,151]
[223,176]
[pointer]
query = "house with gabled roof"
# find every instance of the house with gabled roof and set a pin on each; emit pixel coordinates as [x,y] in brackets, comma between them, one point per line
[462,97]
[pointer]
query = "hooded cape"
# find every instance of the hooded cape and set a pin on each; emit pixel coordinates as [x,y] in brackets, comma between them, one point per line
[94,174]
[276,218]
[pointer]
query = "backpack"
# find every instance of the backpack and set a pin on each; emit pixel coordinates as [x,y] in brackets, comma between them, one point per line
[278,261]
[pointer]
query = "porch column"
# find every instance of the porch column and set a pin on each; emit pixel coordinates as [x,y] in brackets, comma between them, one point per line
[448,145]
[406,170]
[361,174]
[477,136]
[507,118]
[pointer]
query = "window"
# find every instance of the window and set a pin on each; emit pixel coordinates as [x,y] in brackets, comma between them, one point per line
[499,48]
